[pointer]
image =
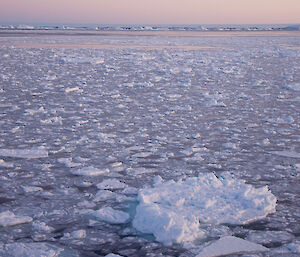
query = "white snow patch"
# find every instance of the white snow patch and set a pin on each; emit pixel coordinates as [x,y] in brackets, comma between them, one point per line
[230,245]
[32,153]
[89,171]
[8,218]
[111,215]
[173,211]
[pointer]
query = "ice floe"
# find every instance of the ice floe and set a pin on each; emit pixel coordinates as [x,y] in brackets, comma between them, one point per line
[32,153]
[78,234]
[8,218]
[104,195]
[230,245]
[270,237]
[174,211]
[89,171]
[111,215]
[111,184]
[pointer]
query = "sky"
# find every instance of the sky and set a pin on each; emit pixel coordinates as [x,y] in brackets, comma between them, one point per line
[151,12]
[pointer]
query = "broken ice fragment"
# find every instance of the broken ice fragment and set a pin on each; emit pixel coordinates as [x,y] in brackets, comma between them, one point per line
[89,171]
[111,215]
[230,245]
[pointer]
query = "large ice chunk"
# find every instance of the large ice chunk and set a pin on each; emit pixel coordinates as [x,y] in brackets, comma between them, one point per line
[173,211]
[230,245]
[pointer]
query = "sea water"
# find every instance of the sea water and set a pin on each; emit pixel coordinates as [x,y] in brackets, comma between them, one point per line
[149,145]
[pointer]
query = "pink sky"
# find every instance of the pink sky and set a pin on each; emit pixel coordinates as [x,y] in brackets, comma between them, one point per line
[151,12]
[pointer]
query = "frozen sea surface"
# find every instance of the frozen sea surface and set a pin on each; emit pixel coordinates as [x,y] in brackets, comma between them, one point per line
[203,130]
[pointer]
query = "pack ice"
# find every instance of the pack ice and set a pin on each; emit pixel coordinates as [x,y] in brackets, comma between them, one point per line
[177,212]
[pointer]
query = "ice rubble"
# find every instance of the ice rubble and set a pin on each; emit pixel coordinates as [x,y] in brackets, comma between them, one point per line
[174,211]
[34,250]
[230,245]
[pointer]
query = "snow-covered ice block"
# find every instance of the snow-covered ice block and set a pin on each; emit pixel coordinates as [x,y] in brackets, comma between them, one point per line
[173,211]
[111,215]
[230,245]
[32,153]
[34,250]
[89,171]
[111,184]
[8,218]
